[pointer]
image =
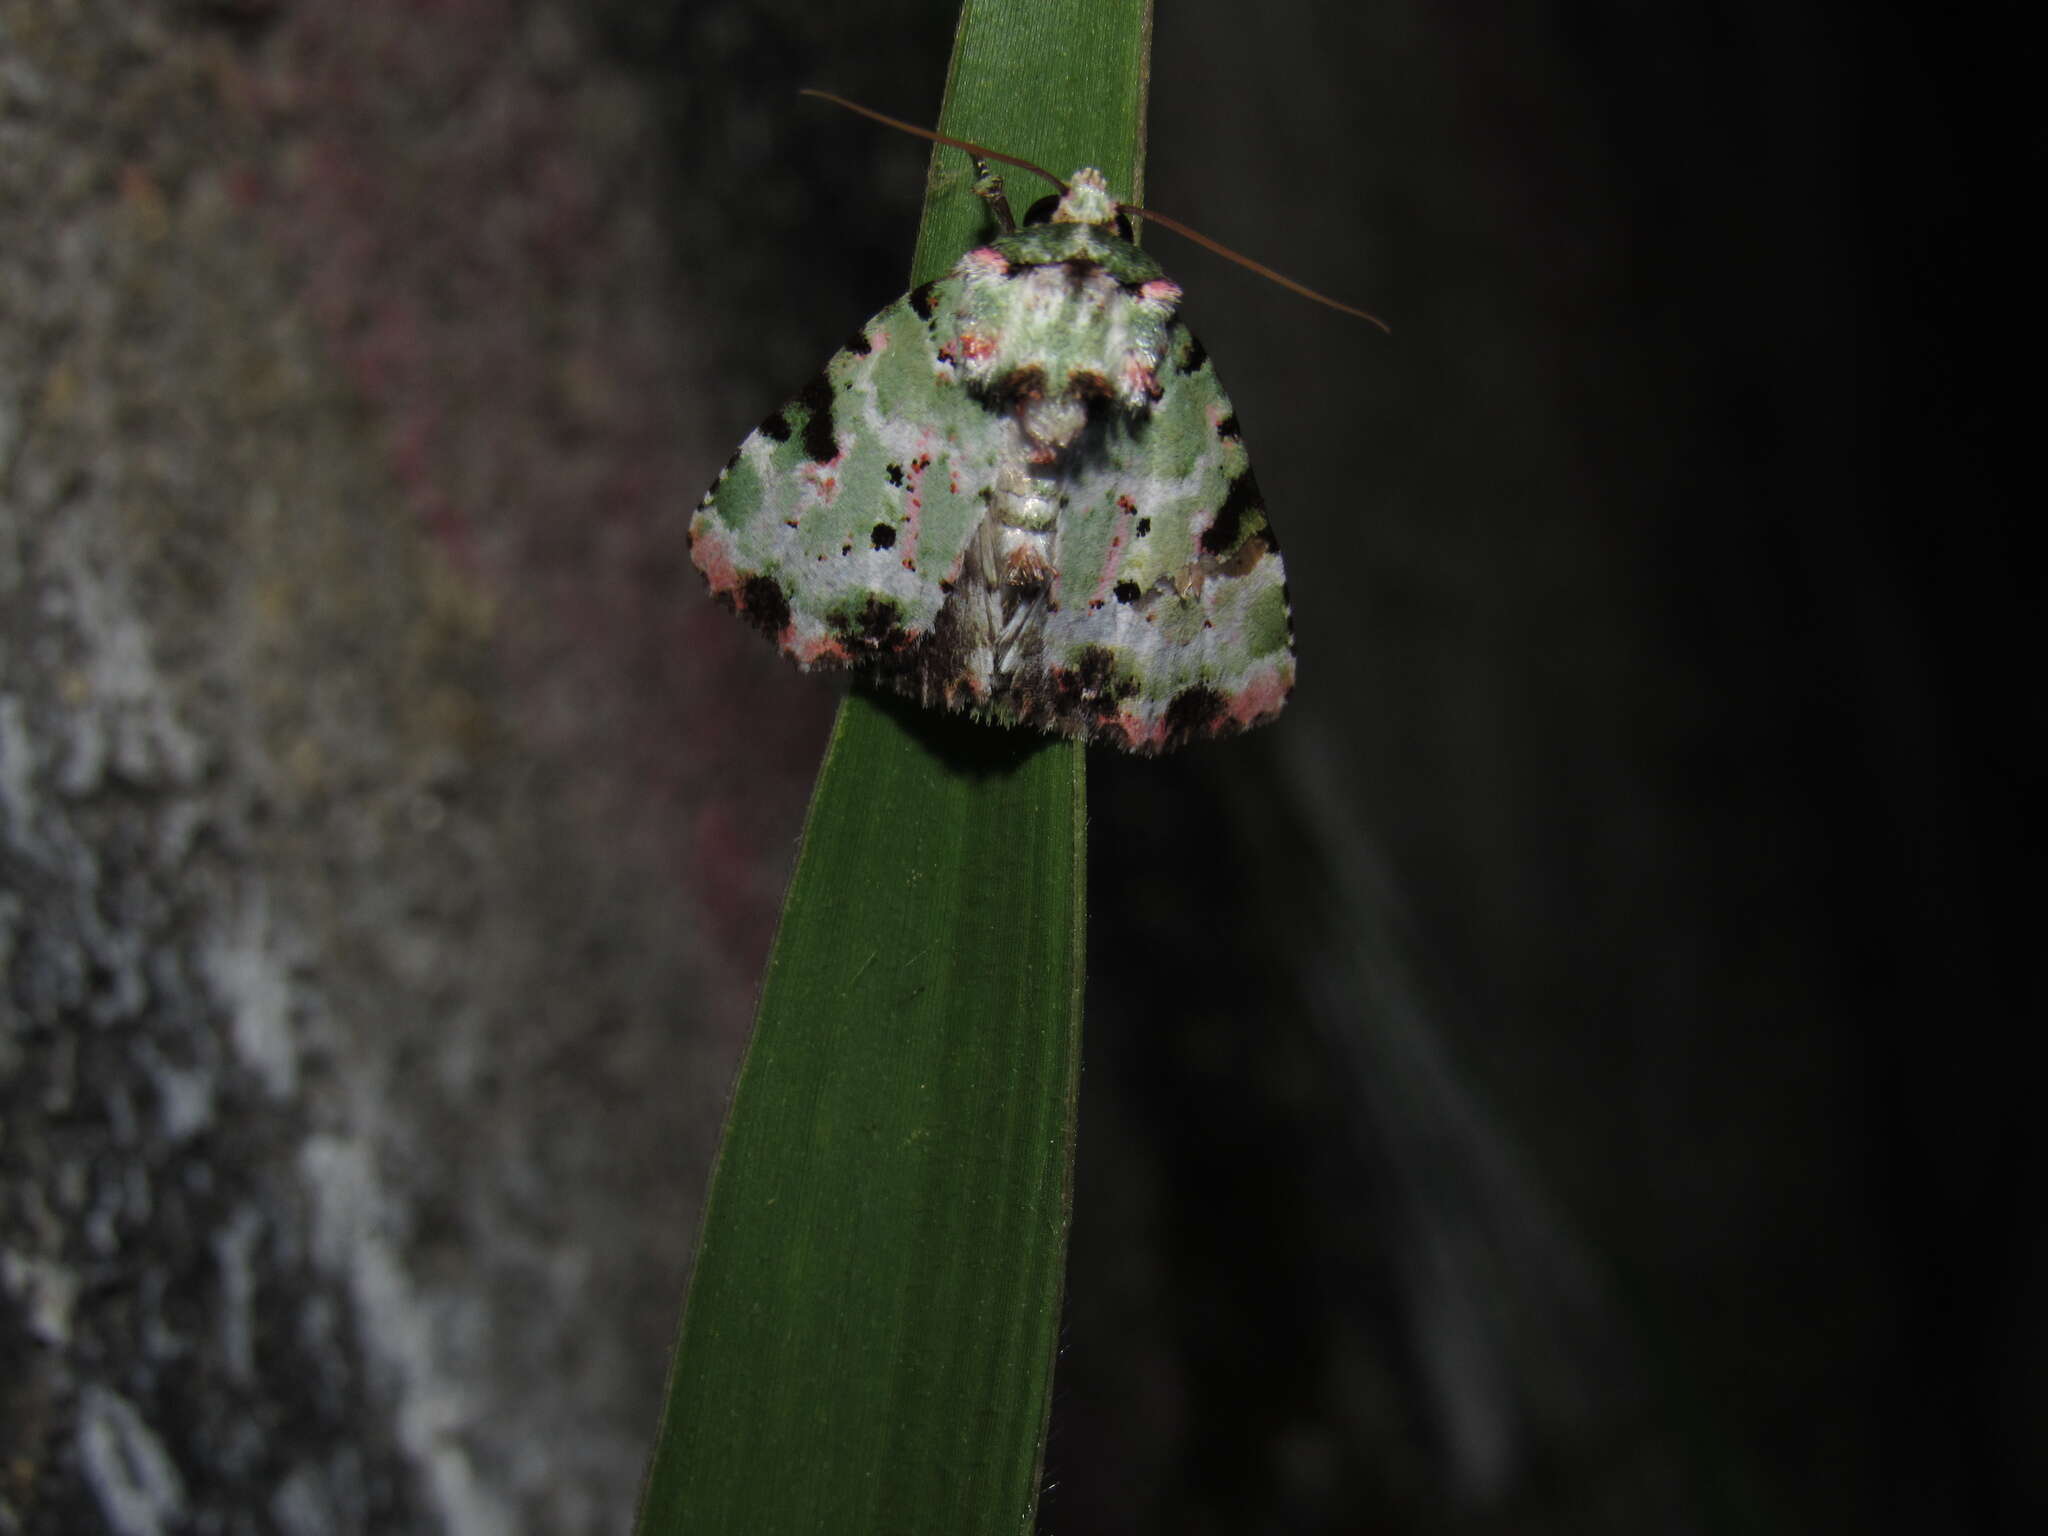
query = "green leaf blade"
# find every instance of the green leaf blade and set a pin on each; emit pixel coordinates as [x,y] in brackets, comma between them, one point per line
[871,1327]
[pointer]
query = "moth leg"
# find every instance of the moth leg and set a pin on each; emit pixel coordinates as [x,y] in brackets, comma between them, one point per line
[988,186]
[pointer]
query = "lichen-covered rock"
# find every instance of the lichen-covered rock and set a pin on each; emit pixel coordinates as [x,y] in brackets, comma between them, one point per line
[375,951]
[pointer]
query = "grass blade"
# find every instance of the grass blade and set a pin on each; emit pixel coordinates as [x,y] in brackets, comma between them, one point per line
[869,1337]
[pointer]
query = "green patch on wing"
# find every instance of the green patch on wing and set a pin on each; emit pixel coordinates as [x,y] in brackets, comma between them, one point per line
[1268,629]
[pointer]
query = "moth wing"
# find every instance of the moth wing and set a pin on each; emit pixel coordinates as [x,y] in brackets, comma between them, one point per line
[841,522]
[1172,608]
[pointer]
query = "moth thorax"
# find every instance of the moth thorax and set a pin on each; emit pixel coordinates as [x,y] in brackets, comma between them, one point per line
[1027,498]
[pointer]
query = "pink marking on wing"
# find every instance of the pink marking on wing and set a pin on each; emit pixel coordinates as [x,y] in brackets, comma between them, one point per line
[1137,734]
[984,261]
[1161,290]
[819,651]
[823,479]
[976,347]
[711,551]
[913,472]
[1260,697]
[1119,546]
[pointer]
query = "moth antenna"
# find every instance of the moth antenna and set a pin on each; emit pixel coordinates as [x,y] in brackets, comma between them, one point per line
[937,138]
[1187,233]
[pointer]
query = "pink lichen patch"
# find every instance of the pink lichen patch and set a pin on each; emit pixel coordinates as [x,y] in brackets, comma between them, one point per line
[984,261]
[1161,290]
[1140,382]
[465,232]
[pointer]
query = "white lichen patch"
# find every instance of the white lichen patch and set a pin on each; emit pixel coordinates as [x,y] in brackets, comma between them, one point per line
[44,1292]
[130,1473]
[251,976]
[352,1236]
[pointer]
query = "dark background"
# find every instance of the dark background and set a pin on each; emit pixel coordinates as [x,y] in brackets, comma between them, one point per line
[1567,1075]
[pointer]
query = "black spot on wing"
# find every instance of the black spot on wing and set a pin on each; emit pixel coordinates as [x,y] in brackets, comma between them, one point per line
[1195,354]
[1194,713]
[922,299]
[858,344]
[1227,427]
[775,425]
[1222,535]
[764,606]
[895,474]
[1126,591]
[820,442]
[872,632]
[1093,688]
[1144,526]
[884,537]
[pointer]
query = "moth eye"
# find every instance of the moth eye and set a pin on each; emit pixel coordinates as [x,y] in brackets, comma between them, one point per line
[1041,211]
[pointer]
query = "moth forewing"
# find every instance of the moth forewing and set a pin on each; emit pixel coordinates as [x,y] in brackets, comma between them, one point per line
[1019,492]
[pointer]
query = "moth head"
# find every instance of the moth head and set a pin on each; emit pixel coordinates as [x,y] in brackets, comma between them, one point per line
[1086,201]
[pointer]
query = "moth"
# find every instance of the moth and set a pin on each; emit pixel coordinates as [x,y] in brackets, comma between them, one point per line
[1019,492]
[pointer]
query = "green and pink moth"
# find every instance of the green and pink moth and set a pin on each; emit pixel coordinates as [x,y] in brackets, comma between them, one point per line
[1021,493]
